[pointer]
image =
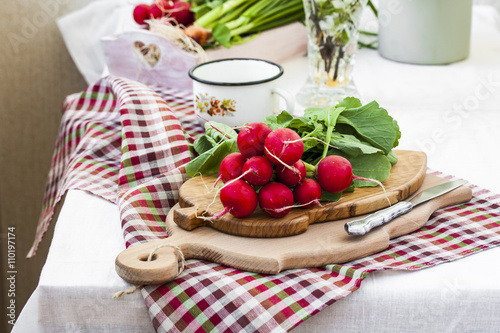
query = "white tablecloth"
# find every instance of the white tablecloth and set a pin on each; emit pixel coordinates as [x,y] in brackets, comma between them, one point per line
[450,112]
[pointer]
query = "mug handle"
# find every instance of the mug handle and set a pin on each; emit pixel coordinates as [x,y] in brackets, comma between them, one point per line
[289,100]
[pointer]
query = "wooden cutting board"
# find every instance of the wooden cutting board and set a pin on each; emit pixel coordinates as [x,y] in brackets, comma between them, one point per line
[195,196]
[322,244]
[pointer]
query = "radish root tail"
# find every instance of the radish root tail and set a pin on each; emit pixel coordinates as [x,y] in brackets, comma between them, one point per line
[205,184]
[294,170]
[201,217]
[215,183]
[279,210]
[376,182]
[220,189]
[240,127]
[224,212]
[215,128]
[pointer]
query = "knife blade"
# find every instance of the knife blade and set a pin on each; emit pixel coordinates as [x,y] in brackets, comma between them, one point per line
[383,216]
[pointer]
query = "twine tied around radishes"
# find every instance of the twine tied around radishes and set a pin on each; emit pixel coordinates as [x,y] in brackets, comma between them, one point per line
[268,172]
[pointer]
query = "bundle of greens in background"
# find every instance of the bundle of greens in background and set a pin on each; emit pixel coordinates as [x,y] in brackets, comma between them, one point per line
[364,134]
[234,22]
[231,20]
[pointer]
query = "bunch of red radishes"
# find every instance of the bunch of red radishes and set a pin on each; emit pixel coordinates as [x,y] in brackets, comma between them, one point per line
[179,11]
[262,152]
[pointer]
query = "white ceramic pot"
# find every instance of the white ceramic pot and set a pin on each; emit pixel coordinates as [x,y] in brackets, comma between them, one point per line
[428,32]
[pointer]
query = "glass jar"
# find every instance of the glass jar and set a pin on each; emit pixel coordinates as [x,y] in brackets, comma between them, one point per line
[332,44]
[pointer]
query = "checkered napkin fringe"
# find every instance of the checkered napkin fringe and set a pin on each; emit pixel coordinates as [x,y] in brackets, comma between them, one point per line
[123,142]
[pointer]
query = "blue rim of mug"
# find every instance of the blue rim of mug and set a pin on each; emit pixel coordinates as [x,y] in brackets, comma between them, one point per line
[247,83]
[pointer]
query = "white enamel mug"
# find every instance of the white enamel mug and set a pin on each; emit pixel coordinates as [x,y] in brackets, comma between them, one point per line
[238,91]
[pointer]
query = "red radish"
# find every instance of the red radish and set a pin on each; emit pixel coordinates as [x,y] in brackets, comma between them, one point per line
[307,193]
[181,13]
[238,198]
[141,14]
[164,5]
[281,152]
[251,139]
[155,11]
[257,170]
[231,167]
[291,176]
[334,174]
[276,199]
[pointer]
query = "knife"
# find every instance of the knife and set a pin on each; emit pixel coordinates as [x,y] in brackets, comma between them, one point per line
[364,225]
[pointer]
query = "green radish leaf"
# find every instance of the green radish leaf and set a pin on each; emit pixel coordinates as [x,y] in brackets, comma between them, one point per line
[374,166]
[301,124]
[350,189]
[284,119]
[351,145]
[309,135]
[279,121]
[313,155]
[219,131]
[222,34]
[209,161]
[350,103]
[218,141]
[203,144]
[328,116]
[328,196]
[373,124]
[398,133]
[392,157]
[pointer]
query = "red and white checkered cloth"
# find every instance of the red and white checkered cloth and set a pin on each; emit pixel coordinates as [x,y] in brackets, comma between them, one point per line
[123,142]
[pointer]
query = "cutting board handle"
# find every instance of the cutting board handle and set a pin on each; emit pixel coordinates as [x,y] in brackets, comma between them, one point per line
[167,262]
[187,218]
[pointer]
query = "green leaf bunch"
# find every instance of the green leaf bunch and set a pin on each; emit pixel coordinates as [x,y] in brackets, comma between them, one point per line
[364,134]
[218,141]
[235,22]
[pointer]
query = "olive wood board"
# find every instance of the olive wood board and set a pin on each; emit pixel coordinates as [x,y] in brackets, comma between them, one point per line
[322,244]
[195,196]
